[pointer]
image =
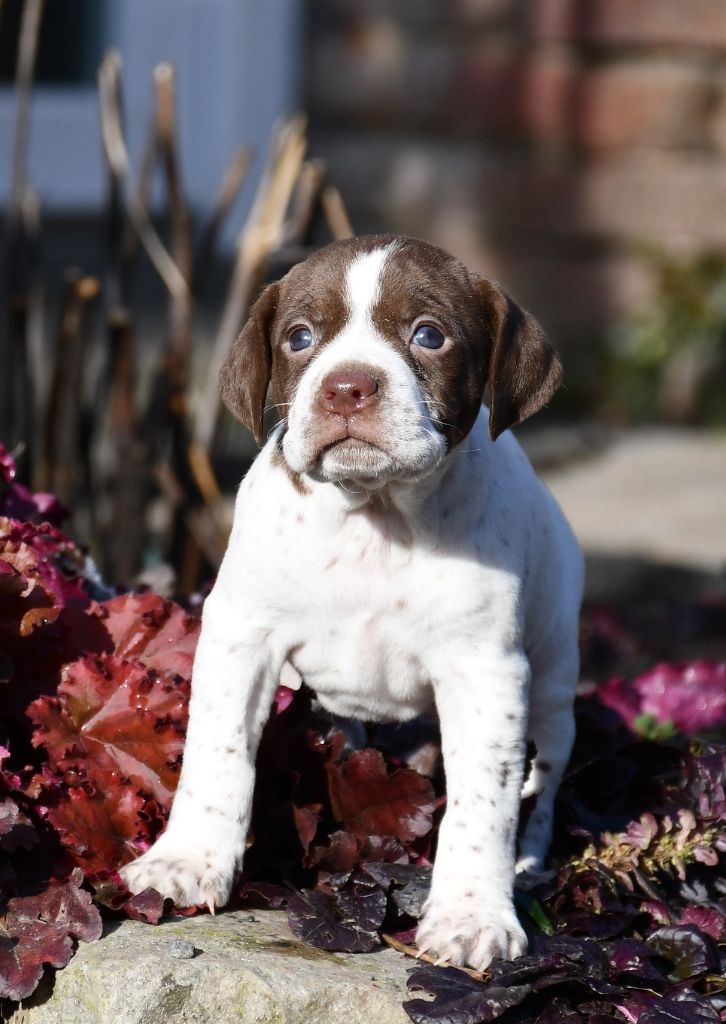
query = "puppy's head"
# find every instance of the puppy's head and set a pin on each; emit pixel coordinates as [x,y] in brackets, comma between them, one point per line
[378,350]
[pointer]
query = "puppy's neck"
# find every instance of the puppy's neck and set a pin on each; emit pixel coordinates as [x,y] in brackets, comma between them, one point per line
[403,508]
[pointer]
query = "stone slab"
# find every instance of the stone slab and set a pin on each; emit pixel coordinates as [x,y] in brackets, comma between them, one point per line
[242,971]
[658,494]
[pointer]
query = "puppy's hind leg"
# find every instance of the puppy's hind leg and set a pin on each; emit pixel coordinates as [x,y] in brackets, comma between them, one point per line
[552,728]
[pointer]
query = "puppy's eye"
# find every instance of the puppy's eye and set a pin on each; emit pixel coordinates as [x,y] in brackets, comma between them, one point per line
[301,337]
[428,336]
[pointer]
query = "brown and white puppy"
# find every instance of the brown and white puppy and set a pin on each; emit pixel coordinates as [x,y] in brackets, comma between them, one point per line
[393,545]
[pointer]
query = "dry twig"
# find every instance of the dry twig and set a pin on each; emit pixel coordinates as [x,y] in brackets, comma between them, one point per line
[17,393]
[109,78]
[232,182]
[335,213]
[260,237]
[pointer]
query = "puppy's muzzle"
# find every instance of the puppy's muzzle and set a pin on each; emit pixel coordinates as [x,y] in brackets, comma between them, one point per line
[347,393]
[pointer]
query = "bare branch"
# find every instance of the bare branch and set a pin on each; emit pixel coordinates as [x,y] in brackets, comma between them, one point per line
[27,51]
[261,235]
[232,182]
[307,194]
[180,306]
[335,213]
[109,77]
[62,463]
[140,200]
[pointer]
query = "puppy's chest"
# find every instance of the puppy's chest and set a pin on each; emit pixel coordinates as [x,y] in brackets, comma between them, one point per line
[363,606]
[360,598]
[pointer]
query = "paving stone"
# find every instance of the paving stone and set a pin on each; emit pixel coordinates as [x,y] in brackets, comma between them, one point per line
[658,494]
[240,971]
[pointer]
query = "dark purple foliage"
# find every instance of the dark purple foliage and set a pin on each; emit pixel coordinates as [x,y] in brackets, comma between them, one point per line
[683,1007]
[345,919]
[690,951]
[458,999]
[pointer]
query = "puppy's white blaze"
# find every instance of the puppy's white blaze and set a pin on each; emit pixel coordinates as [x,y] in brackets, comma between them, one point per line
[362,285]
[411,442]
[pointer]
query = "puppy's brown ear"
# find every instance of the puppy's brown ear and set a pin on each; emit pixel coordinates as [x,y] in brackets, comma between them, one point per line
[524,369]
[245,375]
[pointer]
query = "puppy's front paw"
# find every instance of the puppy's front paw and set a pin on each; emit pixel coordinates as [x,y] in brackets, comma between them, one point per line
[189,876]
[472,935]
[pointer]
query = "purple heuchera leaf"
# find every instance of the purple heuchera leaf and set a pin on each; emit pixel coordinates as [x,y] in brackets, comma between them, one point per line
[347,920]
[691,696]
[635,959]
[687,948]
[708,919]
[458,999]
[684,1007]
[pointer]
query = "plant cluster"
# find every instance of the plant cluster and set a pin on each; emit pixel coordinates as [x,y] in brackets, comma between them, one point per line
[667,360]
[93,701]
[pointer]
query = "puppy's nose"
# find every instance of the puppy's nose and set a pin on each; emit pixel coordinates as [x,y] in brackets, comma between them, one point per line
[347,392]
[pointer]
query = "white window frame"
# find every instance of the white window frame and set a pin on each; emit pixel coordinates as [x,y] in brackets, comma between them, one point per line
[237,64]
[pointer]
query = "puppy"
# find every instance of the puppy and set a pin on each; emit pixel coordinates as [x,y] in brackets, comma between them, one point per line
[393,545]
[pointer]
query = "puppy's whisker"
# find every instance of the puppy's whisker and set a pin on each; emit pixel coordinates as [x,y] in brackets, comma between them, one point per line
[276,405]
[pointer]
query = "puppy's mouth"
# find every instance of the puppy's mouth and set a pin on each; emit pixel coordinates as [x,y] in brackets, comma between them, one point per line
[352,457]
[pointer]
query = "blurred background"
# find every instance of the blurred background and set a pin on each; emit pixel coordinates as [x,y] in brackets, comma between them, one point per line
[573,149]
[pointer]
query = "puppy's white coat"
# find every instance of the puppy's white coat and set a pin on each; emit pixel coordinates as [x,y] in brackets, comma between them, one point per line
[394,568]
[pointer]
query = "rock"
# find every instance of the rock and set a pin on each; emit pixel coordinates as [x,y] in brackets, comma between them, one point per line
[239,972]
[180,949]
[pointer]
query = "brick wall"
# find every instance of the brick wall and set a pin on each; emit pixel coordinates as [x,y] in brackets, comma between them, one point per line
[541,140]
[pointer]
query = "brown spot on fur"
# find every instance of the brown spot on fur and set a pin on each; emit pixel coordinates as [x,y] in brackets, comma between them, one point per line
[313,293]
[422,282]
[245,375]
[278,459]
[524,369]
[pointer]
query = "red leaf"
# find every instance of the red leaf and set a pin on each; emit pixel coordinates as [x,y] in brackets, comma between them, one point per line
[146,906]
[156,632]
[371,802]
[342,853]
[37,930]
[115,715]
[64,904]
[105,827]
[306,822]
[25,947]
